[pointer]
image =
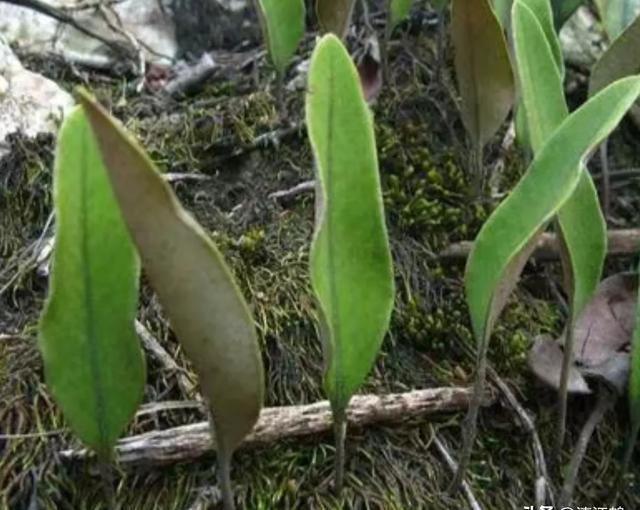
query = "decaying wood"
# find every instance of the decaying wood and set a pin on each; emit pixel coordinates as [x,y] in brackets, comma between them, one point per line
[189,442]
[620,242]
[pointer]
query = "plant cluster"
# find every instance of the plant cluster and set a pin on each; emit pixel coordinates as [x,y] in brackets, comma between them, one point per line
[115,214]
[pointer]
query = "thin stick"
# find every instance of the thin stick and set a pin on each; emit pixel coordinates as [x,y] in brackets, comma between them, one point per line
[606,400]
[542,486]
[453,466]
[340,435]
[563,391]
[152,345]
[471,421]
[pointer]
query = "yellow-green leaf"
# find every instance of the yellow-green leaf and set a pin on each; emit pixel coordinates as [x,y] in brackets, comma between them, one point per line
[482,67]
[282,24]
[543,13]
[351,269]
[92,358]
[198,293]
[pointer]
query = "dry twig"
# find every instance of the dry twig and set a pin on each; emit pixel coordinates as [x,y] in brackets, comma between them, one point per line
[189,442]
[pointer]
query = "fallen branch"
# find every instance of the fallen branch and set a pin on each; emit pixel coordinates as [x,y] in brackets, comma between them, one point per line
[620,242]
[189,442]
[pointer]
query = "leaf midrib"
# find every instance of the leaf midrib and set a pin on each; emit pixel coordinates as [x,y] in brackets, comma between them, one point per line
[91,336]
[331,254]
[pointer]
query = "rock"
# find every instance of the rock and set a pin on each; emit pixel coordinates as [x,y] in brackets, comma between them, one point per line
[163,30]
[29,102]
[149,22]
[582,39]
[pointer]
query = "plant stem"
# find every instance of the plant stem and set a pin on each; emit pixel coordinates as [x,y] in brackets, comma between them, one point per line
[107,484]
[340,434]
[563,393]
[471,420]
[224,481]
[223,471]
[606,399]
[606,178]
[280,95]
[477,168]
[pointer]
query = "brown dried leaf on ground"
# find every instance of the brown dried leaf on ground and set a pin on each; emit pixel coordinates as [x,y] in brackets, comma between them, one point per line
[602,339]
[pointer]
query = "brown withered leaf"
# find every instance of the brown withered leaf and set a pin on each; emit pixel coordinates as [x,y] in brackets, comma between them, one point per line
[602,336]
[370,70]
[335,15]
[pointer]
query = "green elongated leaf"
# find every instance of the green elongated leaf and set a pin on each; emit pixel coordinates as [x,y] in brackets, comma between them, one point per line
[193,283]
[617,15]
[582,225]
[92,358]
[563,10]
[334,16]
[620,60]
[502,9]
[544,15]
[398,10]
[483,69]
[548,183]
[350,262]
[282,24]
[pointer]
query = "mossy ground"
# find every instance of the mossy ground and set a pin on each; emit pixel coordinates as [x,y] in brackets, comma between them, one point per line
[430,203]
